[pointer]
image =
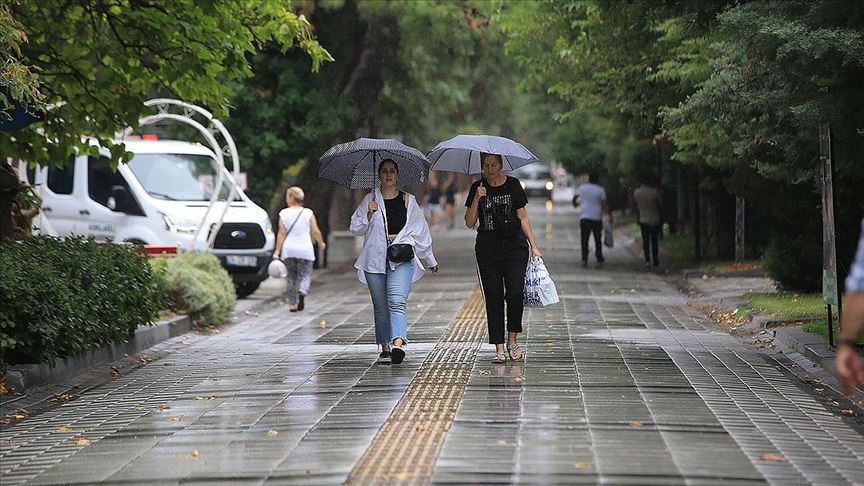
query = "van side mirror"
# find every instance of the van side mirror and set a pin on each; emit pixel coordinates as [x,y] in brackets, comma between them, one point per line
[119,200]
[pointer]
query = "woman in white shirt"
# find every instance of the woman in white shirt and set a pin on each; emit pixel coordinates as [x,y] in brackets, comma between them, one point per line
[388,216]
[294,247]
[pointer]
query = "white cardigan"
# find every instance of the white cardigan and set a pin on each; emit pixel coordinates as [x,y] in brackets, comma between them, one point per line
[373,258]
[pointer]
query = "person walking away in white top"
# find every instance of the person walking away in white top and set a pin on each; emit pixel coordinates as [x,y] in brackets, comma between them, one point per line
[294,246]
[592,205]
[389,217]
[649,201]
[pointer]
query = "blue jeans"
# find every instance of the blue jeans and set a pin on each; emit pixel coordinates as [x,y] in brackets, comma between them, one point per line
[390,301]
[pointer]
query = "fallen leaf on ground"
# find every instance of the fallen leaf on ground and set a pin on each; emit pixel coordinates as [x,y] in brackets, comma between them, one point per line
[194,454]
[583,465]
[65,430]
[861,402]
[164,407]
[772,458]
[115,372]
[808,376]
[82,442]
[485,372]
[519,379]
[847,411]
[420,429]
[61,397]
[209,397]
[635,424]
[173,419]
[272,433]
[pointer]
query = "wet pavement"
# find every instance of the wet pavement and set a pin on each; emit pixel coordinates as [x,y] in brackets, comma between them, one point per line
[623,383]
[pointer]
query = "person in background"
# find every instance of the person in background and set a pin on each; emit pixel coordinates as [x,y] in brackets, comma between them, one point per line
[294,246]
[387,216]
[848,363]
[504,235]
[592,205]
[450,189]
[433,202]
[649,202]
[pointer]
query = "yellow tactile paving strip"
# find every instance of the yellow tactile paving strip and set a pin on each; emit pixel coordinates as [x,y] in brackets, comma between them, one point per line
[408,443]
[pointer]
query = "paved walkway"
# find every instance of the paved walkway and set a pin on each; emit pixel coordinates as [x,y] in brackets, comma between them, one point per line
[623,384]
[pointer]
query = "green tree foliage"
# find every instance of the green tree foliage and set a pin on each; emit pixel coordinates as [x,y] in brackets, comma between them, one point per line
[732,89]
[99,61]
[20,85]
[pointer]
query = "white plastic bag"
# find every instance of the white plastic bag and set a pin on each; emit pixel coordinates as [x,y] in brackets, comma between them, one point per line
[539,288]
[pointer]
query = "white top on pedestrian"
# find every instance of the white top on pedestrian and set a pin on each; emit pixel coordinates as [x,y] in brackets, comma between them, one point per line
[298,242]
[373,257]
[591,197]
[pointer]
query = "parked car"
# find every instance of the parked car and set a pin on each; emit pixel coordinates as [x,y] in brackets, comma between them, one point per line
[159,197]
[536,179]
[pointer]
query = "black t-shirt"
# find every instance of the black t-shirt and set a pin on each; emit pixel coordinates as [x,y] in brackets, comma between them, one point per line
[497,212]
[397,213]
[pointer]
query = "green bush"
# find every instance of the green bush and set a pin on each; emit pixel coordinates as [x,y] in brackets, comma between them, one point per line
[196,284]
[795,262]
[62,298]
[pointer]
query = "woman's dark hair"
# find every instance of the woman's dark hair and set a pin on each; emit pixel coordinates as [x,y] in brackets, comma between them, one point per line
[395,165]
[498,157]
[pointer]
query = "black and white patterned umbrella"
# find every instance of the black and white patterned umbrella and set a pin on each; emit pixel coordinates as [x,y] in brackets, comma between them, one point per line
[355,164]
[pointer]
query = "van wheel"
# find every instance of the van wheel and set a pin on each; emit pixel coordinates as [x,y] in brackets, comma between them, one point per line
[136,241]
[245,289]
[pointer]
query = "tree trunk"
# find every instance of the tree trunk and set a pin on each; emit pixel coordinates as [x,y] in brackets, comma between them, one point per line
[380,42]
[9,187]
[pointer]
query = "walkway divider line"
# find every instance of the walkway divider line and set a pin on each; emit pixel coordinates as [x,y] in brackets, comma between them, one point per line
[407,445]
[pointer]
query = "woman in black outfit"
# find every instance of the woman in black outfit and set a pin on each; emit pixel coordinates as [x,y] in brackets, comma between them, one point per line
[503,238]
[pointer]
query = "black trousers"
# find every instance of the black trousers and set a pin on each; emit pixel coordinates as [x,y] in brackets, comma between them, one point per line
[651,242]
[502,277]
[586,227]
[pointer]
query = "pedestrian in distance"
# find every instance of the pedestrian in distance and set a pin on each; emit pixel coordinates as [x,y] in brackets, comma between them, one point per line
[592,206]
[433,202]
[450,189]
[294,246]
[848,363]
[504,235]
[394,229]
[649,203]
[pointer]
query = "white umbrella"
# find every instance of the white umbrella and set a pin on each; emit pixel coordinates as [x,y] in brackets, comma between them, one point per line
[462,153]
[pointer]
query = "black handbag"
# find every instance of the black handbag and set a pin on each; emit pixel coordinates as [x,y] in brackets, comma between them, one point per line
[400,252]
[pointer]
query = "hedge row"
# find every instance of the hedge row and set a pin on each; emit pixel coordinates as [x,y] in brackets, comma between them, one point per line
[197,285]
[61,298]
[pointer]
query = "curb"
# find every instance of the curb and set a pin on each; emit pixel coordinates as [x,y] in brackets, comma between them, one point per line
[23,377]
[695,273]
[811,346]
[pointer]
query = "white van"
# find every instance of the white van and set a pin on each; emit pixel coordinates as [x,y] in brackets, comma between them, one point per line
[536,179]
[159,197]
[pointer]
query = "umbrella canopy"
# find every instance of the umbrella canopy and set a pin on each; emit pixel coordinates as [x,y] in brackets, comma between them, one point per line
[462,153]
[355,164]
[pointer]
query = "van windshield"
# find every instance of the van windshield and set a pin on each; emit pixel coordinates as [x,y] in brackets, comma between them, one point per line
[178,177]
[533,172]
